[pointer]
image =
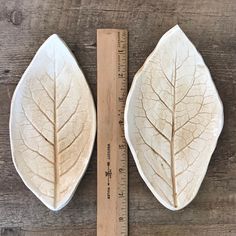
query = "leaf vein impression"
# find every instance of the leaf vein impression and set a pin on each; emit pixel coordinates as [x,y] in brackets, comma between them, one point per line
[172,140]
[154,126]
[35,128]
[49,95]
[65,96]
[74,139]
[40,176]
[159,97]
[173,122]
[75,161]
[39,108]
[69,118]
[33,150]
[56,156]
[153,150]
[156,173]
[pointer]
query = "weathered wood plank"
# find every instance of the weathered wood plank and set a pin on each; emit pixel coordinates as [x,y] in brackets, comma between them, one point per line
[210,24]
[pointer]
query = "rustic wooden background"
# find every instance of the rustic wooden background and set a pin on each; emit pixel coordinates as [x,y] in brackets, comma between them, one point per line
[210,24]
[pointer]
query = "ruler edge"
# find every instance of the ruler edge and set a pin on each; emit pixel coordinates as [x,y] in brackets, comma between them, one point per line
[99,31]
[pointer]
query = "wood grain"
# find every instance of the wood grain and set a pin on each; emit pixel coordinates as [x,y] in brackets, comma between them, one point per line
[211,26]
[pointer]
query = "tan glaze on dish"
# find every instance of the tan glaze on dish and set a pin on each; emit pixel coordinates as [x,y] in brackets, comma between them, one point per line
[52,124]
[173,118]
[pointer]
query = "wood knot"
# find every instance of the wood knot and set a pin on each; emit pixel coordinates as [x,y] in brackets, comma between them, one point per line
[6,71]
[16,17]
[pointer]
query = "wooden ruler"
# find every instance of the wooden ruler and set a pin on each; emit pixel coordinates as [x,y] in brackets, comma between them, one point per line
[112,156]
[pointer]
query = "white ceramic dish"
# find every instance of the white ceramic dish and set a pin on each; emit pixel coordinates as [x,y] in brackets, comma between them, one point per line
[52,124]
[173,118]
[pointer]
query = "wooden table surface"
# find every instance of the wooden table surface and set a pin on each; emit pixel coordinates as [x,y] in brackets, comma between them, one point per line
[210,24]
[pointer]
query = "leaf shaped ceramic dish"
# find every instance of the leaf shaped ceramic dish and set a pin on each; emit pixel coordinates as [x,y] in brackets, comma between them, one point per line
[52,124]
[173,118]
